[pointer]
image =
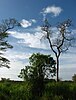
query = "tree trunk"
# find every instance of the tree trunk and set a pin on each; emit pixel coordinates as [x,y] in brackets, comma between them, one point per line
[57,58]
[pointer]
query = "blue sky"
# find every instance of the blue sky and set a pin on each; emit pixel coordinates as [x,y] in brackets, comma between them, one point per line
[26,40]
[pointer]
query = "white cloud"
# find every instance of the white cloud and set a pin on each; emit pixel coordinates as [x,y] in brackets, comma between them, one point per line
[52,10]
[31,39]
[38,29]
[13,72]
[25,23]
[17,55]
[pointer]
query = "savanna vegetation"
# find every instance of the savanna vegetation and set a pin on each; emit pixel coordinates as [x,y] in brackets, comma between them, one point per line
[12,90]
[37,85]
[38,77]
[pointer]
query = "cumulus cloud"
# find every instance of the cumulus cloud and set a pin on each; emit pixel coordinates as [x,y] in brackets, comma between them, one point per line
[13,72]
[31,39]
[52,10]
[17,55]
[38,29]
[25,23]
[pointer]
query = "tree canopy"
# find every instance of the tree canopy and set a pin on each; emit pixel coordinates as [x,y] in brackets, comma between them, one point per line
[41,66]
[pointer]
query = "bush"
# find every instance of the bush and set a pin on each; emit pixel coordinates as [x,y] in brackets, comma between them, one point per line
[74,77]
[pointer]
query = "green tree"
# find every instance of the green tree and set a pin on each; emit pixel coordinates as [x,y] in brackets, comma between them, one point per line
[60,40]
[6,25]
[41,66]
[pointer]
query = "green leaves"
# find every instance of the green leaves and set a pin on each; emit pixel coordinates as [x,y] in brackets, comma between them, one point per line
[41,66]
[4,62]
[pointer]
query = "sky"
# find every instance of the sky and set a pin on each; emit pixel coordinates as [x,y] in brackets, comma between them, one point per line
[26,40]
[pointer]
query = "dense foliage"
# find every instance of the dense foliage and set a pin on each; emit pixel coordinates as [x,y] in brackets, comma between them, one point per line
[52,91]
[41,66]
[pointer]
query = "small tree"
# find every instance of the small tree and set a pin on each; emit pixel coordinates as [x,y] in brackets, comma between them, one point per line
[60,40]
[41,66]
[74,77]
[6,25]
